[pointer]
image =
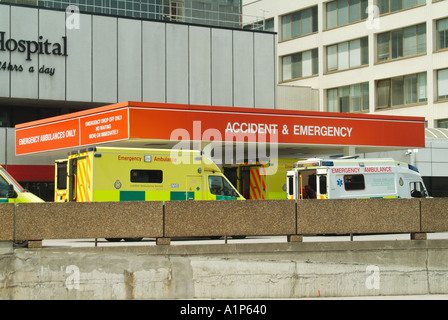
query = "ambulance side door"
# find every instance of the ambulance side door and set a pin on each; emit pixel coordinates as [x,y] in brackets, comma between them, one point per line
[61,184]
[194,188]
[292,185]
[322,185]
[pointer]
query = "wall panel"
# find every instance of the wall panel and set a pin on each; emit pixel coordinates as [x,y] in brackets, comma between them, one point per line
[24,26]
[52,66]
[129,60]
[104,59]
[243,69]
[177,81]
[79,61]
[200,66]
[264,71]
[154,61]
[222,67]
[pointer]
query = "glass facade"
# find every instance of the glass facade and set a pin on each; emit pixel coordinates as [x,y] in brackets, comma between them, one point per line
[223,13]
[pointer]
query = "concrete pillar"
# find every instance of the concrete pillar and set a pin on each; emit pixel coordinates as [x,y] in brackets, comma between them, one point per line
[349,151]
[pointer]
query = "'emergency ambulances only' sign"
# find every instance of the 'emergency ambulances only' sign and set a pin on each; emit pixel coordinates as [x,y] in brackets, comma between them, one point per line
[80,131]
[155,121]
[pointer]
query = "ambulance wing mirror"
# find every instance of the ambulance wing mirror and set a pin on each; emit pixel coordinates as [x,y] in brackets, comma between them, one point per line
[11,192]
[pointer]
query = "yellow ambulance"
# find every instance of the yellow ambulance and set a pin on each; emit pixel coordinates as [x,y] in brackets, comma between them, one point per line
[132,174]
[12,191]
[260,179]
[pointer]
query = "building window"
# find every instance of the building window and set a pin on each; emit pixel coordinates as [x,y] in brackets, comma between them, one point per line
[299,23]
[353,98]
[347,55]
[442,123]
[300,65]
[402,91]
[442,84]
[401,43]
[342,12]
[389,6]
[442,34]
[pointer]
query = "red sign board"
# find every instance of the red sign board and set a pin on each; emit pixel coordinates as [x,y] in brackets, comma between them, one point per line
[155,121]
[76,132]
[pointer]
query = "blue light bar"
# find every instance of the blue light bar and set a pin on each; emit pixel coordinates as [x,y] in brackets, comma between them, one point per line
[413,168]
[328,163]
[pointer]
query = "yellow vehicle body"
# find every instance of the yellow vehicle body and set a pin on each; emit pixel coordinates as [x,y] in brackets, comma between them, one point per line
[12,191]
[257,180]
[131,174]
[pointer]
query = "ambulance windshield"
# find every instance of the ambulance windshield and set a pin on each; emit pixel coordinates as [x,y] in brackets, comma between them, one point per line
[7,179]
[220,187]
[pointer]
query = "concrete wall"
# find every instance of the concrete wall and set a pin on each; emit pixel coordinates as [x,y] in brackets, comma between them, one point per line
[297,98]
[235,271]
[164,220]
[110,59]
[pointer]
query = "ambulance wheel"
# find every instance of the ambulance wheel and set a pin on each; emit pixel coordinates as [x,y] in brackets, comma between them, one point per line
[133,239]
[113,239]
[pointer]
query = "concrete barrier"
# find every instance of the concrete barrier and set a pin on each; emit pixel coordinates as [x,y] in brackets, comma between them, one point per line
[434,215]
[235,271]
[7,221]
[358,216]
[36,221]
[164,220]
[229,218]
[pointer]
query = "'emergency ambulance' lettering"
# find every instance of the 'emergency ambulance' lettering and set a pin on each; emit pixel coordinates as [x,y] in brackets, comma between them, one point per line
[378,169]
[126,158]
[345,170]
[358,170]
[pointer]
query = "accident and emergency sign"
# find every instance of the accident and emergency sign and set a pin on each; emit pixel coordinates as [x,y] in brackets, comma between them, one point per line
[130,121]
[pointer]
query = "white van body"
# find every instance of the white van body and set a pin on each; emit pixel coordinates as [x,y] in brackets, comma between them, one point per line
[354,179]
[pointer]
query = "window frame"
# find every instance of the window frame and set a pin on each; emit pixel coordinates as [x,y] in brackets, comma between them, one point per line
[363,5]
[438,48]
[314,54]
[362,184]
[363,53]
[438,97]
[313,24]
[377,2]
[391,95]
[151,179]
[337,96]
[400,50]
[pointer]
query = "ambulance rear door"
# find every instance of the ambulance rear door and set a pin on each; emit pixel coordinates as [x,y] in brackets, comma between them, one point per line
[61,179]
[292,184]
[321,183]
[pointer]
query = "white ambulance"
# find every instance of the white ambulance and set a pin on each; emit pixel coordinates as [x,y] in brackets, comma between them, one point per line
[354,179]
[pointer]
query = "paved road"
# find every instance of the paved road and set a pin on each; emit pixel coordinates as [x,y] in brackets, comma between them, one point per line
[266,239]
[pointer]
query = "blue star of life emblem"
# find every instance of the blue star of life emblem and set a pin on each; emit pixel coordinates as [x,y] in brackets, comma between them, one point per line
[339,182]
